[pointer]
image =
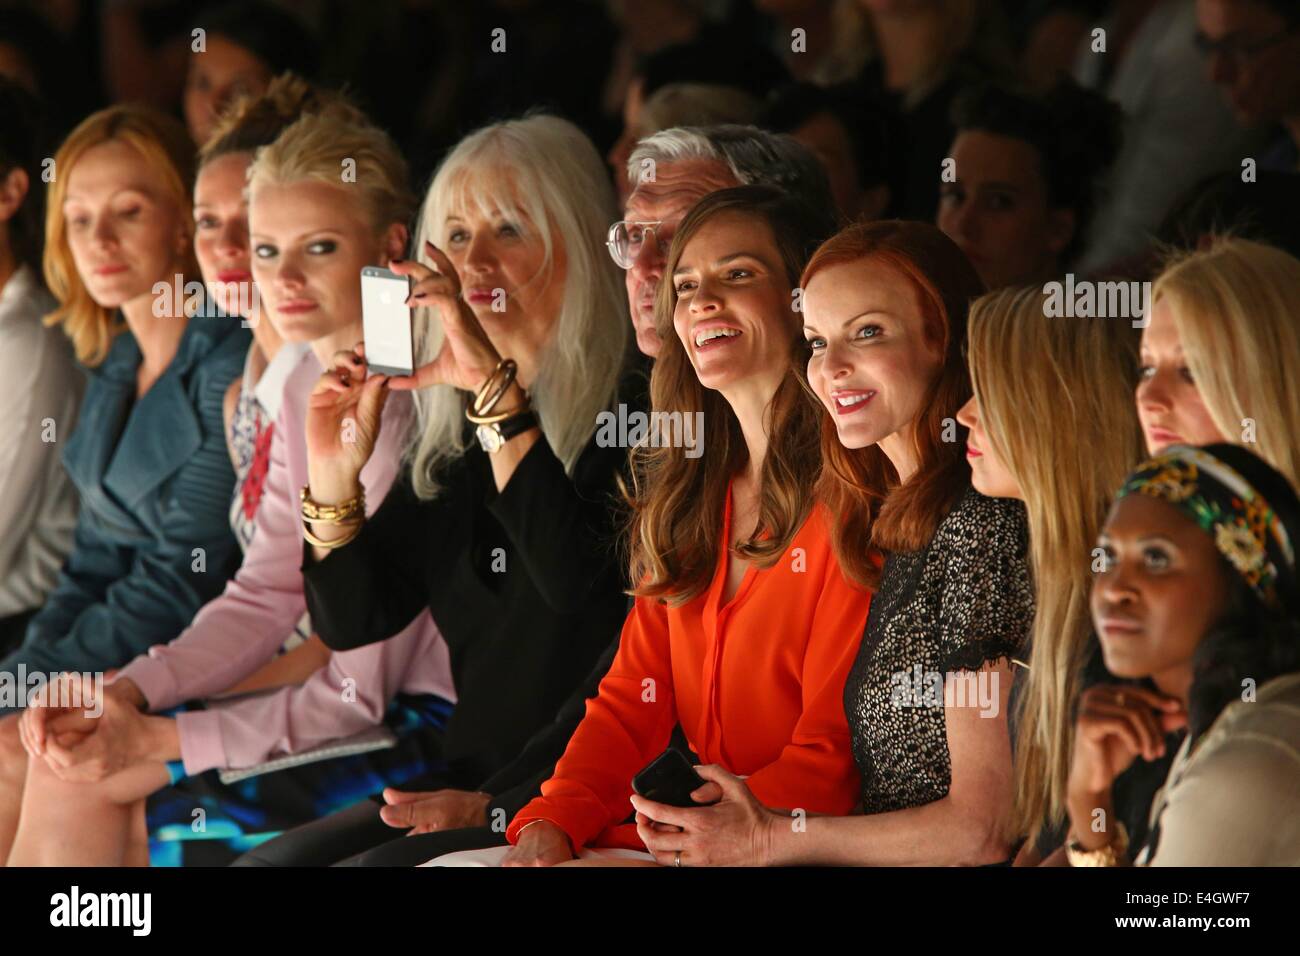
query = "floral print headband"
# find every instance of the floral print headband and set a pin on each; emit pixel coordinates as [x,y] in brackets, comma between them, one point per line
[1244,528]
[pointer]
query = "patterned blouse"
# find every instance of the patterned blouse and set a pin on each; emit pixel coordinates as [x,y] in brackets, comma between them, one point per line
[963,601]
[250,446]
[251,426]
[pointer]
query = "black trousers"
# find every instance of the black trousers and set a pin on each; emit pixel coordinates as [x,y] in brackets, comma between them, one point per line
[358,837]
[324,842]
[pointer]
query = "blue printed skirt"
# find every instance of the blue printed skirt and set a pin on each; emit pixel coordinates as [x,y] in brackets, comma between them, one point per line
[236,817]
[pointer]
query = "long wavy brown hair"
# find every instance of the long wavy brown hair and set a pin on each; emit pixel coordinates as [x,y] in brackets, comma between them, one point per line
[872,511]
[678,503]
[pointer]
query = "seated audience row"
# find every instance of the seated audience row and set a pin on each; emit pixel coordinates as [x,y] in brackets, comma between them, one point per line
[919,572]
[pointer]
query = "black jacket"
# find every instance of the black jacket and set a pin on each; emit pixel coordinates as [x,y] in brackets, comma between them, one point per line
[526,586]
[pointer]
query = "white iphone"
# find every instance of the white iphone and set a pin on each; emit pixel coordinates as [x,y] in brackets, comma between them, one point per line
[386,322]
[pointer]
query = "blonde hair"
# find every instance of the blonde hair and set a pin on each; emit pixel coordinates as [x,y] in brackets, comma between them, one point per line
[542,172]
[1234,306]
[1056,402]
[340,148]
[167,151]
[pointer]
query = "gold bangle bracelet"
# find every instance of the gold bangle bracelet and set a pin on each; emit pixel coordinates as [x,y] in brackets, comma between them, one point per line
[507,379]
[332,514]
[484,388]
[494,419]
[506,371]
[528,824]
[330,545]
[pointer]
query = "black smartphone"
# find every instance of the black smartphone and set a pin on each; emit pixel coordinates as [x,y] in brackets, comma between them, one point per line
[670,779]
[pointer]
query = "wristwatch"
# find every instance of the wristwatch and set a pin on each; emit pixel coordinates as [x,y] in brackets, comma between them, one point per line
[492,437]
[1113,853]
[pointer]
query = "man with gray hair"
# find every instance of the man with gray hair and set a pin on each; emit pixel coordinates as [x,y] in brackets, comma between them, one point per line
[673,170]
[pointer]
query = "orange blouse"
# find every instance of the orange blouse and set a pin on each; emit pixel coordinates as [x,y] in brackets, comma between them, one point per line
[757,684]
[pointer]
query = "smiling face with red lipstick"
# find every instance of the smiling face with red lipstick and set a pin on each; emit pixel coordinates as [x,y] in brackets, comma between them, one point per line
[872,359]
[732,311]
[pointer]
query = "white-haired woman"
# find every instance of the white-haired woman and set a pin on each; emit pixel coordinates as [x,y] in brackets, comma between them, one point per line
[504,526]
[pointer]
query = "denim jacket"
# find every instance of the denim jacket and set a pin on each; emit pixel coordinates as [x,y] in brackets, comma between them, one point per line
[153,540]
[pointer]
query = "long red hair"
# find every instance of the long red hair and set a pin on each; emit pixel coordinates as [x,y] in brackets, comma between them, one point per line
[873,511]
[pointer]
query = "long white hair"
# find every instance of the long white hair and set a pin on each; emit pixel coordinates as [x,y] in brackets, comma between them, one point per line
[544,174]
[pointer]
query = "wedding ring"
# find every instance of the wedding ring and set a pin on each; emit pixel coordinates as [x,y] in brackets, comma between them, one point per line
[677,858]
[1119,699]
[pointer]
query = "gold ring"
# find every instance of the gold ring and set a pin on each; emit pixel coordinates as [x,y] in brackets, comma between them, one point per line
[1120,698]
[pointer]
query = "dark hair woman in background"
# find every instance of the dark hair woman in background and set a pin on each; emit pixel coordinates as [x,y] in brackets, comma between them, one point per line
[245,44]
[1025,178]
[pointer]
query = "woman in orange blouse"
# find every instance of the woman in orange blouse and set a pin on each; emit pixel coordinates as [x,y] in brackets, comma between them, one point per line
[744,627]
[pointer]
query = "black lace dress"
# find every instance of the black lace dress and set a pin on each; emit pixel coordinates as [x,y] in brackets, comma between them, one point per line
[965,600]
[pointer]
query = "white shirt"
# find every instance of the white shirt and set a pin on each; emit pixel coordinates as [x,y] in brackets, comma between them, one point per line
[40,392]
[1234,799]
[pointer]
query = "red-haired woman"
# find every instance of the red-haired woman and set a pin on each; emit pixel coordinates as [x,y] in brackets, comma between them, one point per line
[885,318]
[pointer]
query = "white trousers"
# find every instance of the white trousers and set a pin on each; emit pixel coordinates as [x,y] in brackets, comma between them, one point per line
[493,855]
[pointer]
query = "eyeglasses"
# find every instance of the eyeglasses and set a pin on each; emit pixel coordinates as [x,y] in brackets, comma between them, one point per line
[1237,49]
[627,237]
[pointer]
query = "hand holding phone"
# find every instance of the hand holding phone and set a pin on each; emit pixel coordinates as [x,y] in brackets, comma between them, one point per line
[670,779]
[467,356]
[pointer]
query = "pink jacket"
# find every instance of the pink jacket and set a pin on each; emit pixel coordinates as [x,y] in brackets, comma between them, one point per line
[239,631]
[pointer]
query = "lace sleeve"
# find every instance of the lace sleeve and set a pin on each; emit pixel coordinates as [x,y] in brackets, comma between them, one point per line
[987,606]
